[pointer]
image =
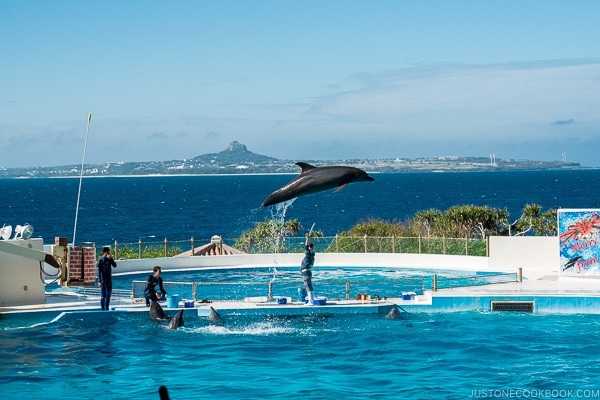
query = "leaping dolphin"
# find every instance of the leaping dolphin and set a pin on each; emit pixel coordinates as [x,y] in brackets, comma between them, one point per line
[317,179]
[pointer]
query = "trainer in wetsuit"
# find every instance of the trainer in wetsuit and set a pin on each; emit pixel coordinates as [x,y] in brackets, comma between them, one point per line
[105,266]
[305,269]
[153,281]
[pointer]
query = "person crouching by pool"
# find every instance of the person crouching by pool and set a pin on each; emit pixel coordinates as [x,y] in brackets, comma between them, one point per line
[153,281]
[105,266]
[305,269]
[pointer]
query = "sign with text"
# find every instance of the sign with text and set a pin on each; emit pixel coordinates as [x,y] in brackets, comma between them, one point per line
[579,233]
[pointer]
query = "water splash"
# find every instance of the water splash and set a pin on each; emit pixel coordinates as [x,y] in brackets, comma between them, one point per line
[277,227]
[277,224]
[255,329]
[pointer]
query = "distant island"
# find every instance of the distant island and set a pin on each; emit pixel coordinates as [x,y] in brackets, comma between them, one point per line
[237,159]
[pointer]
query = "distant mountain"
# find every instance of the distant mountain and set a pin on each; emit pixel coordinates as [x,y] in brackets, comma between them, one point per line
[236,159]
[236,153]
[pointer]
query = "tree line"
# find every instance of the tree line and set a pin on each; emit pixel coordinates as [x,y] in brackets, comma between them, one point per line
[462,221]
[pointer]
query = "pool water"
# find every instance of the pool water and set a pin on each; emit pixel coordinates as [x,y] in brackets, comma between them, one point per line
[329,282]
[121,355]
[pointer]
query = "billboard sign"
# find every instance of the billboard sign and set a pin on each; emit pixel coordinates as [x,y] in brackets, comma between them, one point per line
[579,233]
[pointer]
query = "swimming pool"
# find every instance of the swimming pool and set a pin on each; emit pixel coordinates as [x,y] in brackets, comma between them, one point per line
[124,355]
[424,355]
[329,282]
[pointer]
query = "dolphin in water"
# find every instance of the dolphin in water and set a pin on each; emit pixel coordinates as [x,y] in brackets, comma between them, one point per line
[157,313]
[317,179]
[215,317]
[163,393]
[393,314]
[177,320]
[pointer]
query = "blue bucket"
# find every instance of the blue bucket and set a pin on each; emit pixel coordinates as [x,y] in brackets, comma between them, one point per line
[172,301]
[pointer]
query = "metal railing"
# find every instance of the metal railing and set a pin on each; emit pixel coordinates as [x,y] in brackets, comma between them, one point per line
[328,244]
[440,282]
[96,291]
[330,288]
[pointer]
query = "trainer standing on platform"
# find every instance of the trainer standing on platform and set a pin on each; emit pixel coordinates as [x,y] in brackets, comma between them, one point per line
[105,266]
[306,269]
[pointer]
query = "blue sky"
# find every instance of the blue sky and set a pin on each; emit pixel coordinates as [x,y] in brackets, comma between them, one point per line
[298,80]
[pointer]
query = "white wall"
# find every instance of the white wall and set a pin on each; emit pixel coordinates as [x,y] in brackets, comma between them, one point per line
[20,282]
[538,256]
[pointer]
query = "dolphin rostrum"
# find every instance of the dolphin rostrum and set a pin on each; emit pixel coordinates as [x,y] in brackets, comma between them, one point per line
[177,320]
[214,317]
[317,179]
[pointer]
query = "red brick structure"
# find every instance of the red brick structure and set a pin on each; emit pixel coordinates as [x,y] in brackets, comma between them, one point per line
[82,266]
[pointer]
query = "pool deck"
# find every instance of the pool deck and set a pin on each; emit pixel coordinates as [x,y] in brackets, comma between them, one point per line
[549,294]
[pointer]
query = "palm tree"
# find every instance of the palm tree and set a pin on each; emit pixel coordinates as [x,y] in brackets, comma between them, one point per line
[527,221]
[474,221]
[267,236]
[424,222]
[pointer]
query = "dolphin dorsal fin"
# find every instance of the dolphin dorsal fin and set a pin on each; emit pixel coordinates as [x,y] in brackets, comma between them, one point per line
[305,166]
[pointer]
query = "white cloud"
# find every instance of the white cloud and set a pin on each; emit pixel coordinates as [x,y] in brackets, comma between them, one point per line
[517,110]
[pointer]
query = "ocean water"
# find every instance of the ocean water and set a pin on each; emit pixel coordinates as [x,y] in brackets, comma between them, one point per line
[114,355]
[180,207]
[100,355]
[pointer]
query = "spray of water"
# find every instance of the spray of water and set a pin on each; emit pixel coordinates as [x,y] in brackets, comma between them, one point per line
[277,226]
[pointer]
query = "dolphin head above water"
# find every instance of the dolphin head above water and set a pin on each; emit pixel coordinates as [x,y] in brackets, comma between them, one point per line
[177,320]
[214,317]
[393,314]
[317,179]
[157,313]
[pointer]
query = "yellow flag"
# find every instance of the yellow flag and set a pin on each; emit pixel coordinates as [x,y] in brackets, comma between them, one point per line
[89,117]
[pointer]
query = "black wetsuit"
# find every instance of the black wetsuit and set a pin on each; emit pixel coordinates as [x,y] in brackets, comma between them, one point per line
[105,266]
[305,269]
[151,284]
